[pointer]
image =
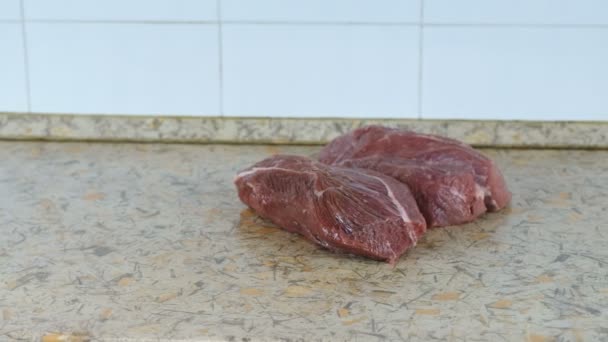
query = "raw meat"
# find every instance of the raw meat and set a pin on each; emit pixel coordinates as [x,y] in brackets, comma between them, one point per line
[446,194]
[343,209]
[451,181]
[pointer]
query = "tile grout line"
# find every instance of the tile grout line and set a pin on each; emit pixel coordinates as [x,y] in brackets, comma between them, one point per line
[220,51]
[26,64]
[420,57]
[309,23]
[213,22]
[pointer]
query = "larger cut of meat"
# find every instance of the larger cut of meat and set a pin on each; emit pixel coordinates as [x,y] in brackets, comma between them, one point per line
[451,181]
[343,209]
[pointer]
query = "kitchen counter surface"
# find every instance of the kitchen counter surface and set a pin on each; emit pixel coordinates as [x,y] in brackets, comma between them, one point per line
[144,241]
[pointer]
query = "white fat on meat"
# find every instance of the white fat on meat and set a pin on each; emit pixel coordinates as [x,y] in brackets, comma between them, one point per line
[457,193]
[481,191]
[258,169]
[271,168]
[402,213]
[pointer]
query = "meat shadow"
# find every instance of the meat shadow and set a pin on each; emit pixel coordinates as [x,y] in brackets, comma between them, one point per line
[269,243]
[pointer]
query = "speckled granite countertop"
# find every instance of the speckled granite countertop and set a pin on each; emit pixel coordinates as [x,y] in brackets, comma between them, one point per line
[150,241]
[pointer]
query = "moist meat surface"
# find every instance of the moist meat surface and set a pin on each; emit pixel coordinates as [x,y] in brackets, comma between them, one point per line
[452,183]
[351,210]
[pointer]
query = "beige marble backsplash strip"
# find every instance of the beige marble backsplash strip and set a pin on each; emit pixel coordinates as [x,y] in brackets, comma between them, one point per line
[19,126]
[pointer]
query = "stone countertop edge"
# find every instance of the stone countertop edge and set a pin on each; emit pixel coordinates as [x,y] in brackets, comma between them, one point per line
[314,131]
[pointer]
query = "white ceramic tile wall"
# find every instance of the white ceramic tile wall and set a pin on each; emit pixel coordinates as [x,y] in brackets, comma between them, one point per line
[588,12]
[320,71]
[322,11]
[161,10]
[124,68]
[515,73]
[12,70]
[491,59]
[10,10]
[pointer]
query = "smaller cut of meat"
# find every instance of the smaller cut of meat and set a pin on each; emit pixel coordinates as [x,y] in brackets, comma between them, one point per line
[342,209]
[451,181]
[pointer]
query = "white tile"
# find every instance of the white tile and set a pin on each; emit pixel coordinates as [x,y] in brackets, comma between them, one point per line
[12,87]
[517,11]
[10,10]
[515,73]
[124,68]
[170,10]
[321,10]
[336,71]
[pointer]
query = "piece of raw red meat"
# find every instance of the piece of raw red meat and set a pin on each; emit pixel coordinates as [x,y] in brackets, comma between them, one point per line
[446,194]
[451,181]
[342,209]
